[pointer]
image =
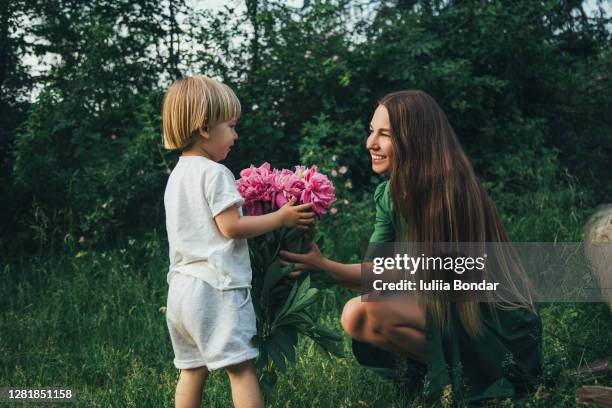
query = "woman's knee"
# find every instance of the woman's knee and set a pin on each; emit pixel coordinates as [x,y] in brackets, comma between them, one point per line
[383,319]
[352,318]
[376,319]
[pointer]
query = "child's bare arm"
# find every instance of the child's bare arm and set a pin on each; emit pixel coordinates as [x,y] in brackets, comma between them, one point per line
[234,226]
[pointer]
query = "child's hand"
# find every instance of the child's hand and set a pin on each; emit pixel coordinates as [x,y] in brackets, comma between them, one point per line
[293,216]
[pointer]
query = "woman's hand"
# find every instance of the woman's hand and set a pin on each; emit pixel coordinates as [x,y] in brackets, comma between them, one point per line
[312,260]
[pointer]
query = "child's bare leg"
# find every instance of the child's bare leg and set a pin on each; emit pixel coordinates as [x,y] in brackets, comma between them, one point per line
[189,387]
[245,387]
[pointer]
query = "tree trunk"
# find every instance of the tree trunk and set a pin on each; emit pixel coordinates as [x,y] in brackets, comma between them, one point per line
[252,9]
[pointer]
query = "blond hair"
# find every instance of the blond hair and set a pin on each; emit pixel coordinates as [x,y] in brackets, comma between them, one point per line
[193,103]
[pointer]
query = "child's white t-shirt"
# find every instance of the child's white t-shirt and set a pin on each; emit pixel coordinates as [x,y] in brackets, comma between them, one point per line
[199,189]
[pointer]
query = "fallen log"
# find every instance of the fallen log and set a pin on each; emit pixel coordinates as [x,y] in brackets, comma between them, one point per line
[596,369]
[594,394]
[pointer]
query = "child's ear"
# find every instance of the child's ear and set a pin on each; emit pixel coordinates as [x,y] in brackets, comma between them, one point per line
[203,131]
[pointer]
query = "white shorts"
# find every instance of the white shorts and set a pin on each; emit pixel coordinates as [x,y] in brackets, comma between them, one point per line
[209,327]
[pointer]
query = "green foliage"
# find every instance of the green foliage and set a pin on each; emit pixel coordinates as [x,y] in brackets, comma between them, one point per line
[98,103]
[526,88]
[68,163]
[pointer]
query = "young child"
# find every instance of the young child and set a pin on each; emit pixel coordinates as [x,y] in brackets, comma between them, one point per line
[209,313]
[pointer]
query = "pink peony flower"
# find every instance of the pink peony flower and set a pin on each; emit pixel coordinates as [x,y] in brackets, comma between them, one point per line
[262,170]
[286,184]
[333,210]
[254,186]
[318,189]
[343,169]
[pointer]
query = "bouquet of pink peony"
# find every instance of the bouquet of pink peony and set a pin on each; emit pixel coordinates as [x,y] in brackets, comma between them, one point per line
[283,305]
[265,190]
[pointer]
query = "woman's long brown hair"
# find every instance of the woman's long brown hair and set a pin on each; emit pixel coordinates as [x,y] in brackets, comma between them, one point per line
[435,190]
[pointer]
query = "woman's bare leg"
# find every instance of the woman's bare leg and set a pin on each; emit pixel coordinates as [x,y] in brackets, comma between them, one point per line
[394,326]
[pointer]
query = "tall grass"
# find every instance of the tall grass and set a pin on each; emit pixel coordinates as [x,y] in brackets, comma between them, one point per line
[94,321]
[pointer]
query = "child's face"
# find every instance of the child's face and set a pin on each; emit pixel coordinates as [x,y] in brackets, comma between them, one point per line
[379,141]
[221,139]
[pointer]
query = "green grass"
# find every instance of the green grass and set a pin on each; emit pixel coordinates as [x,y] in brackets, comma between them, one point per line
[93,321]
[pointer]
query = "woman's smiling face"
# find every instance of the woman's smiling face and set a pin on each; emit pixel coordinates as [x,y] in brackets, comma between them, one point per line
[379,141]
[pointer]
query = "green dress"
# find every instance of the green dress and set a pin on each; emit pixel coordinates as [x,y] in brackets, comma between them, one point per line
[503,362]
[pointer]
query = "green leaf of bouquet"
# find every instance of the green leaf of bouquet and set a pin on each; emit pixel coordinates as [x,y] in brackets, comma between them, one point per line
[324,332]
[294,245]
[307,298]
[321,280]
[267,255]
[301,320]
[293,234]
[274,274]
[304,285]
[327,346]
[280,292]
[303,298]
[301,292]
[286,338]
[302,302]
[306,318]
[262,360]
[256,340]
[255,254]
[259,312]
[321,241]
[330,342]
[283,310]
[269,238]
[311,232]
[275,354]
[268,383]
[281,233]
